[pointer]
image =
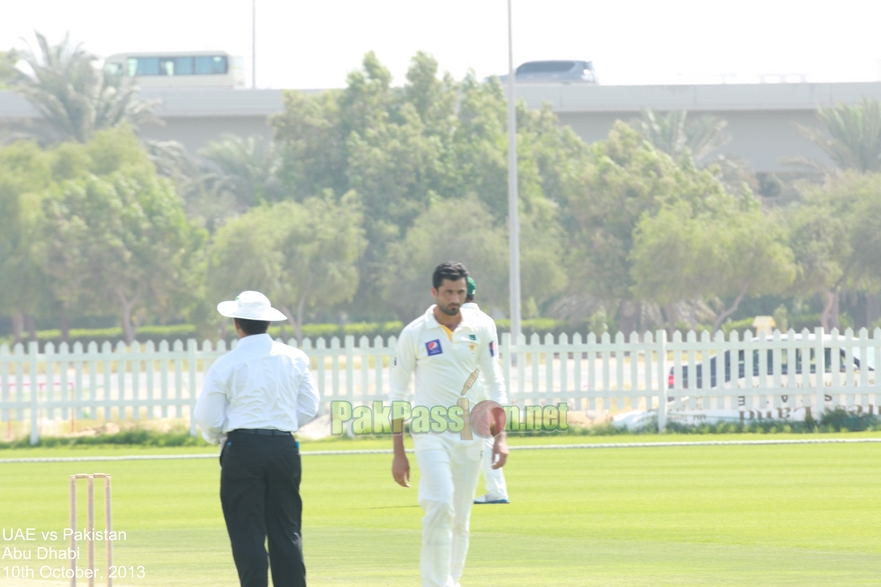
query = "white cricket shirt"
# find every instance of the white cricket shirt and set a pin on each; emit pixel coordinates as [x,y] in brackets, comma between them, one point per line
[258,384]
[443,360]
[479,387]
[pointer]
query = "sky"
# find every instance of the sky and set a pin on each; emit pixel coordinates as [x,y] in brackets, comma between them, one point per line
[315,44]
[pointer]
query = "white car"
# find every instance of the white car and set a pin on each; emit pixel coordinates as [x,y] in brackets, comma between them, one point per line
[798,368]
[785,407]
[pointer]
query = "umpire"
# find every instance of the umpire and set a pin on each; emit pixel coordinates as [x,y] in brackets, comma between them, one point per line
[253,399]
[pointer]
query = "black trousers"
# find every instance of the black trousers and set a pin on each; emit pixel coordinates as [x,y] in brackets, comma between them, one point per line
[260,495]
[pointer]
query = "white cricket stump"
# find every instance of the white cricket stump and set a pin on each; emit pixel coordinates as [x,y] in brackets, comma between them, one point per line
[90,527]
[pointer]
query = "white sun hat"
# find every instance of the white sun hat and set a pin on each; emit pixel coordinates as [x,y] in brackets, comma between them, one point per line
[250,305]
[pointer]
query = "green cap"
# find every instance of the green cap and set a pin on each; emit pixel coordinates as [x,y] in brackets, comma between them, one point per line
[472,287]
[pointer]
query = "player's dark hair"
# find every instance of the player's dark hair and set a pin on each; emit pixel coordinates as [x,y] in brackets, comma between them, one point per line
[448,270]
[469,298]
[250,327]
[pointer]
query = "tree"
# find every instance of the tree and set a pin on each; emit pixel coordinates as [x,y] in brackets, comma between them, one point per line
[8,72]
[850,136]
[234,175]
[387,145]
[751,256]
[623,179]
[392,168]
[834,237]
[312,144]
[667,259]
[543,274]
[301,255]
[245,167]
[730,251]
[822,254]
[74,97]
[403,150]
[117,234]
[698,138]
[675,135]
[451,230]
[76,100]
[479,146]
[25,172]
[434,99]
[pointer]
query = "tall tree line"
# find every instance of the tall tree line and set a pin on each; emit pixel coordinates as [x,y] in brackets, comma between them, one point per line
[363,190]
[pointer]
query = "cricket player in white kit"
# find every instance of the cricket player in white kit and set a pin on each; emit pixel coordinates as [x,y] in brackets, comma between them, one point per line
[496,488]
[443,347]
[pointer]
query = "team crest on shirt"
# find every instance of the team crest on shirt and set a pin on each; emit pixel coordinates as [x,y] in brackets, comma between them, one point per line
[472,336]
[433,347]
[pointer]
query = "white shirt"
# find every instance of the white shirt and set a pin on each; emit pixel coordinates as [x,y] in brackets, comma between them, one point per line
[258,384]
[443,360]
[479,387]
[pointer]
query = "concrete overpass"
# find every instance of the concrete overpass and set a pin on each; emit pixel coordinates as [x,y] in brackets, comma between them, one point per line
[191,116]
[761,117]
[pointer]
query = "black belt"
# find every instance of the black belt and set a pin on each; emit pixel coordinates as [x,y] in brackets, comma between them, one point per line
[262,431]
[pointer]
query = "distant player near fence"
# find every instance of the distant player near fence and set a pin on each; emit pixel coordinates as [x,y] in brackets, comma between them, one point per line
[496,488]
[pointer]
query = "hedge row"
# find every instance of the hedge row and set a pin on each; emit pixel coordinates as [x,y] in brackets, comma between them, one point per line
[134,437]
[113,335]
[540,326]
[186,331]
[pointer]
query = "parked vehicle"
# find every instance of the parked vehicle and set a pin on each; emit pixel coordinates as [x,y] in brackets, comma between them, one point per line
[567,72]
[798,368]
[194,69]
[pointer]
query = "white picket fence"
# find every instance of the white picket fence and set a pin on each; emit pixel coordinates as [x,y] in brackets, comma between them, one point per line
[70,383]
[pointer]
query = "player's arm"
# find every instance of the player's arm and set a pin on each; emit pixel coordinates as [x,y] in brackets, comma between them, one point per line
[402,371]
[495,386]
[210,410]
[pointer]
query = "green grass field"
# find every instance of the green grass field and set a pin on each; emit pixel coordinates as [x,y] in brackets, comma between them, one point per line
[800,515]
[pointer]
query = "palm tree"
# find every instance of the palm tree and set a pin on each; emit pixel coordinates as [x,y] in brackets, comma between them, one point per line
[851,137]
[673,133]
[8,59]
[75,98]
[676,135]
[233,175]
[247,168]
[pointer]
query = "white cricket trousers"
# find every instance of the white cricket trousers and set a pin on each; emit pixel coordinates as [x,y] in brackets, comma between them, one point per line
[448,469]
[495,480]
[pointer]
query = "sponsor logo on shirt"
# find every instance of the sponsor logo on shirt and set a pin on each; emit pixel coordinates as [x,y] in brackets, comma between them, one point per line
[433,347]
[492,349]
[472,336]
